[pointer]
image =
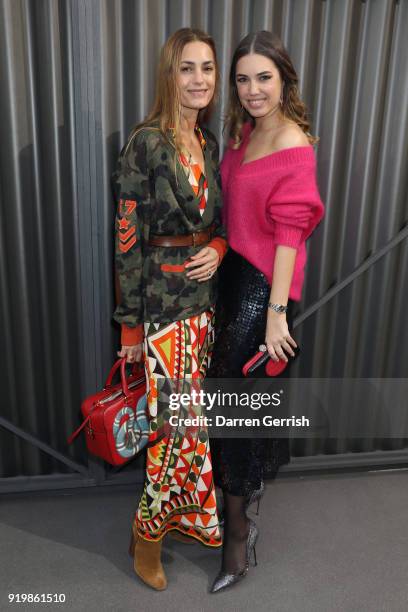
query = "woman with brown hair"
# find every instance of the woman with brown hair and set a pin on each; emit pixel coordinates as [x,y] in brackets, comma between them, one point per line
[169,243]
[271,206]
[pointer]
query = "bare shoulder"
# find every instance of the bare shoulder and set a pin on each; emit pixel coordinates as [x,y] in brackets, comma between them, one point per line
[289,135]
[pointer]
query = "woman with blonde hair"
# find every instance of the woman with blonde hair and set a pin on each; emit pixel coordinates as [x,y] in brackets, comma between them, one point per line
[271,206]
[169,243]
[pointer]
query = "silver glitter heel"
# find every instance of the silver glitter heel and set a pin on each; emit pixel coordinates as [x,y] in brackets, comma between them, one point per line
[255,496]
[224,580]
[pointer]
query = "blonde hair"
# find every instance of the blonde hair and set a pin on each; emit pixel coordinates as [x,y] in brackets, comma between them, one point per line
[167,106]
[269,45]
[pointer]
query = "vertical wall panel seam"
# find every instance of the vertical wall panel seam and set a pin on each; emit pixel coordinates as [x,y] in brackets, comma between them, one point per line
[7,277]
[73,121]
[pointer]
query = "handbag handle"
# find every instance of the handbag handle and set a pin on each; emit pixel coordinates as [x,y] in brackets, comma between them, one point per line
[121,363]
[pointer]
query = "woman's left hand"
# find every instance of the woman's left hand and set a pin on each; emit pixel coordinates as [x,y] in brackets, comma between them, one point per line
[278,337]
[203,264]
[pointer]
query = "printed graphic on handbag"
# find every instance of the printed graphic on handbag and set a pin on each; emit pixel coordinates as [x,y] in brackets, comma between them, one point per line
[115,419]
[272,368]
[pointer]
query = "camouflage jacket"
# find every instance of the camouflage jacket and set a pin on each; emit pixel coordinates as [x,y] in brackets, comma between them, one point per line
[154,196]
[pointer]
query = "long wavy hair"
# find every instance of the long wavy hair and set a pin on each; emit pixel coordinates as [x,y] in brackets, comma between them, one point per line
[166,108]
[269,45]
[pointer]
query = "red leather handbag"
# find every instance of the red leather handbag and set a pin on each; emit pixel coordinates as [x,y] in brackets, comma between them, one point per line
[115,419]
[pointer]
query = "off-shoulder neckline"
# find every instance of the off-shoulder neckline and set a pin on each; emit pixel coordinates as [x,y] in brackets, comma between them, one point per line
[286,151]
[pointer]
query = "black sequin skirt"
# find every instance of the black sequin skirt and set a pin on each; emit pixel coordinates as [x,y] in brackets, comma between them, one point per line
[241,464]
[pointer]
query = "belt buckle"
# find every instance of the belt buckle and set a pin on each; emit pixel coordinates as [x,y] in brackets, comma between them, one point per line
[194,234]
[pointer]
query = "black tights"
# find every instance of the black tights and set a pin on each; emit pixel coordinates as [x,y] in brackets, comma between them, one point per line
[236,528]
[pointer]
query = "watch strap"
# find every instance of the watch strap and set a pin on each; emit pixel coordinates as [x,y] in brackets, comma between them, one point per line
[280,308]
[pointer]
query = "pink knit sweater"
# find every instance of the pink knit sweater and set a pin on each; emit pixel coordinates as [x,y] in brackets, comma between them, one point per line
[269,201]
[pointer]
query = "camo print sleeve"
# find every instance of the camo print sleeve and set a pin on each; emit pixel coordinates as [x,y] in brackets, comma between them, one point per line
[219,242]
[132,193]
[219,231]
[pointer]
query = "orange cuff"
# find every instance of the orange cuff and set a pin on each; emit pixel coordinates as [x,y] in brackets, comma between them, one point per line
[220,245]
[131,335]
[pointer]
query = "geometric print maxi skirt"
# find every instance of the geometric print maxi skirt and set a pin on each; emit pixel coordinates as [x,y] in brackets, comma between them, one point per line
[179,488]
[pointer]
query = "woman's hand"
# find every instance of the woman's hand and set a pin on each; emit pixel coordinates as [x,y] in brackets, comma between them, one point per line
[132,353]
[278,337]
[203,264]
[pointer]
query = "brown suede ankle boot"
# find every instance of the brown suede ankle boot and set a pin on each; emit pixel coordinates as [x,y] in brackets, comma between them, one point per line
[147,561]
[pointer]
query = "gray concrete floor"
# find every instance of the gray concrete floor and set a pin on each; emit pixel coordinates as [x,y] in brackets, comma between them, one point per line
[328,543]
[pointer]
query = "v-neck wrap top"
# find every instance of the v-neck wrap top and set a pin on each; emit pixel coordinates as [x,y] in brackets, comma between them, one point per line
[154,196]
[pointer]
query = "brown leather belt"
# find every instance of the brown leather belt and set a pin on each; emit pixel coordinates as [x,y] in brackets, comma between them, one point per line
[195,239]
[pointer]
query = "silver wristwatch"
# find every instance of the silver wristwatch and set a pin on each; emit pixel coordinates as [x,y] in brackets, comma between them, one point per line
[278,307]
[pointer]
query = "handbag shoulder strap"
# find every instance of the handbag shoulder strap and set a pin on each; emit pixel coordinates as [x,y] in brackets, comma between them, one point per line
[77,431]
[80,428]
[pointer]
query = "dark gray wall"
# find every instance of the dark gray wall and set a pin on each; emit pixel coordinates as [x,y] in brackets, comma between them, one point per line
[75,76]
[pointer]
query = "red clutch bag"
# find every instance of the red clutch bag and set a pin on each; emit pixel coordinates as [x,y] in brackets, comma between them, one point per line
[272,368]
[115,419]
